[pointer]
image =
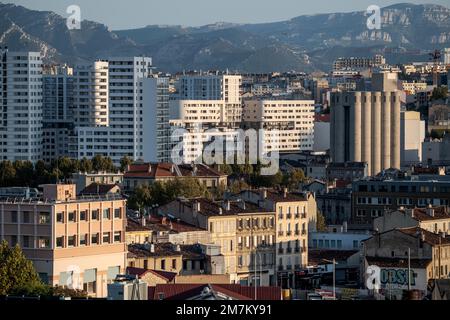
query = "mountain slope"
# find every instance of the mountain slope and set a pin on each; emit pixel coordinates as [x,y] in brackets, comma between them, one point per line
[304,43]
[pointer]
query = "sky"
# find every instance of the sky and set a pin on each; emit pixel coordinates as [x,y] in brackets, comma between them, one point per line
[128,14]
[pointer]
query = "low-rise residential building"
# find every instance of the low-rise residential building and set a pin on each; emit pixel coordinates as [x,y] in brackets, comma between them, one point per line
[295,215]
[72,241]
[436,220]
[337,240]
[147,173]
[84,179]
[335,205]
[244,231]
[347,171]
[429,256]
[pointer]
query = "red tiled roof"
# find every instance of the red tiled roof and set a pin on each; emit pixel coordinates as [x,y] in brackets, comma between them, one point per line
[169,170]
[97,188]
[140,272]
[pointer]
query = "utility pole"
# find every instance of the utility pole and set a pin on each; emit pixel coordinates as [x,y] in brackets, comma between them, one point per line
[409,269]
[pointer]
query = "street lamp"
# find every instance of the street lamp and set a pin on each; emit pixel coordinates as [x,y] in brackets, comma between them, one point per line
[334,275]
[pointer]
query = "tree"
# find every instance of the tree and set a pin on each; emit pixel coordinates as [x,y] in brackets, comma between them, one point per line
[439,93]
[321,224]
[24,172]
[124,163]
[101,163]
[17,274]
[294,178]
[85,165]
[7,174]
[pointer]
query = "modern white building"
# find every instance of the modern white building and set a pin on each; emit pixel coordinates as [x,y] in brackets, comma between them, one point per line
[288,124]
[91,94]
[138,103]
[412,135]
[20,105]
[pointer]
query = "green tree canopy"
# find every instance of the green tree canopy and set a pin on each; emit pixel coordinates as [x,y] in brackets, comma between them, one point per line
[17,274]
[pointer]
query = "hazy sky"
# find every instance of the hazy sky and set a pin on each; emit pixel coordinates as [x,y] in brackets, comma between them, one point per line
[126,14]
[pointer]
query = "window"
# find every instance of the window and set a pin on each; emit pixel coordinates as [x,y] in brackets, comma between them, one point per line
[117,236]
[94,239]
[60,242]
[44,218]
[106,214]
[339,243]
[184,264]
[90,280]
[26,241]
[26,217]
[106,237]
[94,215]
[71,241]
[163,264]
[117,213]
[174,263]
[14,216]
[83,215]
[83,239]
[72,216]
[60,217]
[355,244]
[44,242]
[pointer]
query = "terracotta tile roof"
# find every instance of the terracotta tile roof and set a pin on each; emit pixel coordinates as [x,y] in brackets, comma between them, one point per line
[140,272]
[236,291]
[173,225]
[421,214]
[161,249]
[217,208]
[98,188]
[429,237]
[133,225]
[279,196]
[169,170]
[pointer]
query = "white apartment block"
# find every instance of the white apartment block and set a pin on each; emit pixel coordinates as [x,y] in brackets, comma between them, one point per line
[134,101]
[20,105]
[91,94]
[211,87]
[288,124]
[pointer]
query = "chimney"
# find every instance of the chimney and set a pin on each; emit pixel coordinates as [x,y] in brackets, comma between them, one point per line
[263,194]
[143,221]
[226,205]
[196,207]
[177,248]
[443,234]
[409,212]
[430,211]
[285,192]
[152,248]
[422,236]
[220,211]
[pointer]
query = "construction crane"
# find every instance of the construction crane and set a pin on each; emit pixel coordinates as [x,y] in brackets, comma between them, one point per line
[435,56]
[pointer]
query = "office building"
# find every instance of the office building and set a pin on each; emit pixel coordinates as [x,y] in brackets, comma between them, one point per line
[358,63]
[72,241]
[20,105]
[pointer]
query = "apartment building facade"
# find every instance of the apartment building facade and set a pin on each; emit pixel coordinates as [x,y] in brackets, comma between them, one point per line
[244,232]
[20,105]
[73,242]
[288,124]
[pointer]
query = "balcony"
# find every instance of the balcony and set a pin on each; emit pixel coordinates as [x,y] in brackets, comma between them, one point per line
[289,250]
[280,216]
[280,268]
[297,232]
[280,250]
[303,215]
[281,233]
[288,216]
[303,232]
[297,215]
[297,250]
[288,233]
